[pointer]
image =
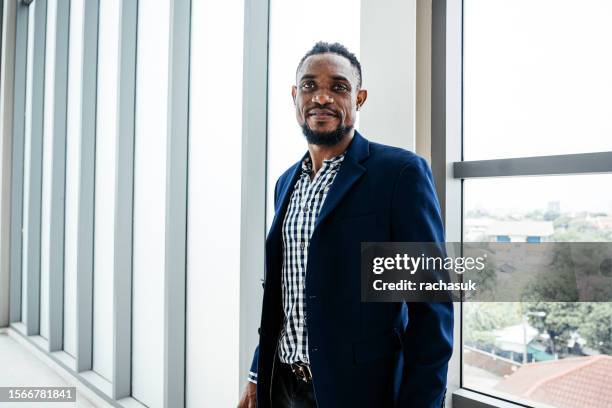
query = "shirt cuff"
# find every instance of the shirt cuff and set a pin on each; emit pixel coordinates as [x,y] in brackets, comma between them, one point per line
[253,377]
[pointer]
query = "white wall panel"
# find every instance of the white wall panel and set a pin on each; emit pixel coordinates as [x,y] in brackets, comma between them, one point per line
[388,33]
[73,137]
[213,252]
[49,112]
[106,138]
[150,201]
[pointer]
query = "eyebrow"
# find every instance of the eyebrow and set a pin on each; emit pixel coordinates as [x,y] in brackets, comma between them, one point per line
[336,77]
[340,78]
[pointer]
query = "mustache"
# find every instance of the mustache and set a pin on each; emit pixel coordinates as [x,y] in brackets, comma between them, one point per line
[319,109]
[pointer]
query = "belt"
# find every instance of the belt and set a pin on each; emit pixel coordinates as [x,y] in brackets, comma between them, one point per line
[301,371]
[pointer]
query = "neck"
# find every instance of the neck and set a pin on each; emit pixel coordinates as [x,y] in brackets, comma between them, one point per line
[319,153]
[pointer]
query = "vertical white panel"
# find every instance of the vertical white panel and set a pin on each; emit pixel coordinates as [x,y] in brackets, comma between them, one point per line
[213,261]
[388,58]
[106,138]
[149,200]
[73,137]
[26,163]
[49,113]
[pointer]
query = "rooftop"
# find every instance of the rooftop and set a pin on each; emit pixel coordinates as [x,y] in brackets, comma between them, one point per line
[580,382]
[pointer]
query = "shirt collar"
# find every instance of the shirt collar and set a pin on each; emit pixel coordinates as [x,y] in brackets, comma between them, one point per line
[330,163]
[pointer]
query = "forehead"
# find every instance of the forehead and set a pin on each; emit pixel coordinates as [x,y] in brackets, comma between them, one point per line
[327,65]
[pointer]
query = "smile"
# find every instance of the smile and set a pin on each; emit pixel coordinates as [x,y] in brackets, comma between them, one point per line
[322,114]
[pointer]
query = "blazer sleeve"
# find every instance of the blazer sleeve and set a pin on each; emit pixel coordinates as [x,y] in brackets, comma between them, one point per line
[428,338]
[253,370]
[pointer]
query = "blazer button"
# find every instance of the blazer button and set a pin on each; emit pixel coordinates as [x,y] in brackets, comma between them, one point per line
[312,297]
[314,349]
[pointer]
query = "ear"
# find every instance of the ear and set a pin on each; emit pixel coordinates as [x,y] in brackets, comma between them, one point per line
[362,95]
[293,92]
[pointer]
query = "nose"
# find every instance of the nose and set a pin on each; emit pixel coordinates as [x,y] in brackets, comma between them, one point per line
[322,98]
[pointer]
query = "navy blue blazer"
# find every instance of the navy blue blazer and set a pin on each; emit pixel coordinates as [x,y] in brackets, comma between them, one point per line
[361,354]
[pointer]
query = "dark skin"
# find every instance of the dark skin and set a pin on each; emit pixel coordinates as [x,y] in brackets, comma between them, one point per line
[326,96]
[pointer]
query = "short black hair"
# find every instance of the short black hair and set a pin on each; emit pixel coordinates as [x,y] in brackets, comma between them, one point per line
[323,47]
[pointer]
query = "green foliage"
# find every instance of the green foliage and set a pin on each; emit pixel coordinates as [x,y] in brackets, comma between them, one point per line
[480,319]
[560,321]
[578,230]
[485,280]
[597,328]
[560,286]
[592,321]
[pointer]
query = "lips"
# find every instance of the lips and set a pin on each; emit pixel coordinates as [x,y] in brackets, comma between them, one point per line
[322,113]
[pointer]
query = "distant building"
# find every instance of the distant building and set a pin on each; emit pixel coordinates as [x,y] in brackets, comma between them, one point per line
[554,206]
[580,382]
[513,338]
[487,229]
[602,223]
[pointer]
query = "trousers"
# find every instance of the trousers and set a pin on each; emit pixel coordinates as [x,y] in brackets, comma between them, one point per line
[290,392]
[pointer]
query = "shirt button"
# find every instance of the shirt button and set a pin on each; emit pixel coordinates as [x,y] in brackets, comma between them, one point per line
[302,245]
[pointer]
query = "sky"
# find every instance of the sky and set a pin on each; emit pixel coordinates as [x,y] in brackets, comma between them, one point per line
[537,82]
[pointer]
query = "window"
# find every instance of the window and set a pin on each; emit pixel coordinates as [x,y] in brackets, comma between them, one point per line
[536,79]
[537,84]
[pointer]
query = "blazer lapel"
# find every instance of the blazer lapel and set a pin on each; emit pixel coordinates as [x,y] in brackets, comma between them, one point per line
[283,200]
[350,171]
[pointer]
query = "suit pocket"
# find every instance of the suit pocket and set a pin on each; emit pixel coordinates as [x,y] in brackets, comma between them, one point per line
[380,346]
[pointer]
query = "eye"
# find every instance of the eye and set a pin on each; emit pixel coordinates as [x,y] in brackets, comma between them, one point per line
[340,87]
[308,85]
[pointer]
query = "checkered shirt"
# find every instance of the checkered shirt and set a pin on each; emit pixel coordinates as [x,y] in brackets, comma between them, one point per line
[304,207]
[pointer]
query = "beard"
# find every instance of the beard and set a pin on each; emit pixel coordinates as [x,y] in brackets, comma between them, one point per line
[325,138]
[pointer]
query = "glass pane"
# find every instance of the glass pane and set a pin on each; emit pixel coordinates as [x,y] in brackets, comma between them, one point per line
[536,77]
[47,169]
[545,354]
[290,39]
[73,156]
[213,241]
[150,151]
[104,220]
[27,165]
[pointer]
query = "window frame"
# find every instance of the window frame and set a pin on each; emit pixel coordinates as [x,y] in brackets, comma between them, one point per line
[451,170]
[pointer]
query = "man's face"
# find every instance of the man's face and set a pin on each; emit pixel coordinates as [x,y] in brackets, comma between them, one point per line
[326,98]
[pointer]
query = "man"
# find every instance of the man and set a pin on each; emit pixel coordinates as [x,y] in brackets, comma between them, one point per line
[319,345]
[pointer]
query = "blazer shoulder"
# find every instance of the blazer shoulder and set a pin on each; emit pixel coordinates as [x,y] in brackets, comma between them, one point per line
[396,157]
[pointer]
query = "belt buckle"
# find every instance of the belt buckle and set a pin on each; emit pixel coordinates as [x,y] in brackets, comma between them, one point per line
[302,371]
